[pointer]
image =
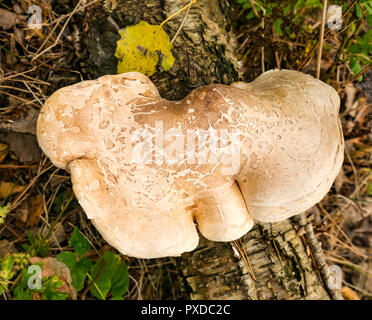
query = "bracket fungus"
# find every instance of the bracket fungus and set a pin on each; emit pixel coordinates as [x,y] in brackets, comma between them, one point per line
[146,169]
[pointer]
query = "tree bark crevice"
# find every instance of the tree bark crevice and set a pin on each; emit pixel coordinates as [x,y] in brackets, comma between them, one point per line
[277,255]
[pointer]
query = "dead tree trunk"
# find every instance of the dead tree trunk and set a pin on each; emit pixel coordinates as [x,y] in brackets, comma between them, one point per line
[271,261]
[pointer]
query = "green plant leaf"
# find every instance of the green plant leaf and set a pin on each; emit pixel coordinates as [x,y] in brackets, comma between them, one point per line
[355,68]
[142,48]
[358,11]
[68,258]
[278,29]
[6,273]
[369,19]
[313,3]
[114,276]
[78,270]
[368,6]
[120,281]
[300,4]
[250,15]
[79,243]
[369,191]
[58,201]
[79,273]
[246,5]
[287,9]
[4,210]
[366,38]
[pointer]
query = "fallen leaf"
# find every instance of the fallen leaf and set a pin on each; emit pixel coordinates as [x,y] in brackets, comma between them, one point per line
[7,19]
[24,146]
[3,151]
[35,208]
[142,48]
[26,124]
[340,180]
[21,214]
[51,267]
[349,294]
[351,93]
[19,36]
[9,188]
[6,247]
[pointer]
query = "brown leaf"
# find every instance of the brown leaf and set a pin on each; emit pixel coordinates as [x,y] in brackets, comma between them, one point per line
[6,247]
[351,93]
[9,188]
[28,212]
[340,180]
[19,36]
[7,19]
[24,146]
[3,151]
[26,124]
[53,267]
[35,208]
[10,58]
[21,214]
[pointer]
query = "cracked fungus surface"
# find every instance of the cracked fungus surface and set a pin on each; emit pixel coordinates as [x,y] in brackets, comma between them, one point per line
[145,203]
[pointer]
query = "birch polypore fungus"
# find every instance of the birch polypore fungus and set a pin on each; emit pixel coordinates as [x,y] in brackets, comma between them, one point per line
[145,169]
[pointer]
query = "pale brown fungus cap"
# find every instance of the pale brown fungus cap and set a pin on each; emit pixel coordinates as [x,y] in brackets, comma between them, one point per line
[289,151]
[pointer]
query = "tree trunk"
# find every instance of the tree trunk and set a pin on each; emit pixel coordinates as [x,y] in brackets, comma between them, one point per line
[271,261]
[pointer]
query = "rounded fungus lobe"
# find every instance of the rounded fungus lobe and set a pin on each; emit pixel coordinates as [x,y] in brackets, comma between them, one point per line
[146,169]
